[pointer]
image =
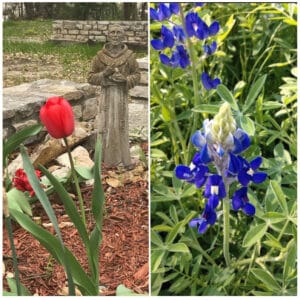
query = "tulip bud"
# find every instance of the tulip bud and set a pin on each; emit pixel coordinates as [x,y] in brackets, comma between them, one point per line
[223,125]
[58,117]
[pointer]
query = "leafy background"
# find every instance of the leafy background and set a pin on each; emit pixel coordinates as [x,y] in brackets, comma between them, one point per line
[256,60]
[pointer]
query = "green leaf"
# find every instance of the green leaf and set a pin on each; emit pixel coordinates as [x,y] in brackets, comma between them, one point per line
[267,278]
[156,239]
[254,234]
[226,29]
[166,115]
[13,287]
[227,96]
[156,153]
[178,247]
[279,195]
[173,233]
[274,217]
[254,92]
[248,125]
[17,200]
[207,108]
[84,172]
[41,195]
[290,262]
[18,138]
[53,245]
[69,205]
[156,259]
[122,290]
[98,199]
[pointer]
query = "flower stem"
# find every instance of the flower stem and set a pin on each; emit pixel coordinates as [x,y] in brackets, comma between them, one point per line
[76,182]
[226,226]
[196,102]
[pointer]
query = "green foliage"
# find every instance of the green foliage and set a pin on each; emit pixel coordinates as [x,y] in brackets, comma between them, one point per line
[256,61]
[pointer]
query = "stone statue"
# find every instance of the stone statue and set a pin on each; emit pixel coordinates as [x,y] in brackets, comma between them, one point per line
[115,70]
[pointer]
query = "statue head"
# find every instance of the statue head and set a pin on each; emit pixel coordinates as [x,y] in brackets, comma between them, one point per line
[115,34]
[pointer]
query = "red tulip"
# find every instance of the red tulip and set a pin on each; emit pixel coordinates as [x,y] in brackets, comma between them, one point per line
[58,117]
[21,182]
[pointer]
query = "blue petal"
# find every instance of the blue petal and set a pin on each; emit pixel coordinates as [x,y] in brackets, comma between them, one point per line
[222,190]
[236,203]
[179,33]
[215,82]
[202,32]
[165,11]
[241,141]
[259,177]
[235,165]
[212,217]
[202,227]
[194,222]
[199,4]
[206,81]
[199,181]
[213,201]
[198,139]
[157,44]
[174,8]
[249,209]
[183,172]
[153,14]
[168,38]
[214,28]
[244,178]
[255,163]
[204,155]
[164,59]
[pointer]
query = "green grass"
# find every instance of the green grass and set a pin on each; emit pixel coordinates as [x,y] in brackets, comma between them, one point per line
[24,29]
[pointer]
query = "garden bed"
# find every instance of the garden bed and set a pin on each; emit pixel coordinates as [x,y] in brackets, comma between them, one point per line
[124,249]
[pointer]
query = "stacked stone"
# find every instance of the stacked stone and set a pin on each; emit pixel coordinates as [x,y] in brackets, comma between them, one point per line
[136,32]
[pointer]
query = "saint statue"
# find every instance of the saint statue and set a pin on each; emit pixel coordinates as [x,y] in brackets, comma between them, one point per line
[115,70]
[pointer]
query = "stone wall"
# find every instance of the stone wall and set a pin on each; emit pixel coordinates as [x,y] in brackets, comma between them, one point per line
[136,32]
[22,103]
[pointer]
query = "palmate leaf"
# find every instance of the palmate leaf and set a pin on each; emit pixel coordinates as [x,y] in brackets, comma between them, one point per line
[254,234]
[267,278]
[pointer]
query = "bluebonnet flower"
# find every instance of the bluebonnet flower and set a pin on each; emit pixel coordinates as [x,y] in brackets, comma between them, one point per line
[200,4]
[214,190]
[195,26]
[167,39]
[248,172]
[179,33]
[210,49]
[220,143]
[179,58]
[209,83]
[240,201]
[195,174]
[164,12]
[208,217]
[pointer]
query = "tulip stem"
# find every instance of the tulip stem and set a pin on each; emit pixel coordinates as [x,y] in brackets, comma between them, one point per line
[76,182]
[226,226]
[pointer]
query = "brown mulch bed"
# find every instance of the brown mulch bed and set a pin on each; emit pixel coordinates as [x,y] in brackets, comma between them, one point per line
[124,249]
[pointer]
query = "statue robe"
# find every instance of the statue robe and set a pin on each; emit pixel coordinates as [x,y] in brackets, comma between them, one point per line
[112,117]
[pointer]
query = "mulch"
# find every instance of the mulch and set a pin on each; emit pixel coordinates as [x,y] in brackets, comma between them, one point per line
[124,250]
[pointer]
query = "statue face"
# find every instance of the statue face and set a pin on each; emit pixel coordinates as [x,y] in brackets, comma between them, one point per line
[115,35]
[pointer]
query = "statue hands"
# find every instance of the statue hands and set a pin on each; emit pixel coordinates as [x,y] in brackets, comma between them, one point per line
[108,71]
[117,76]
